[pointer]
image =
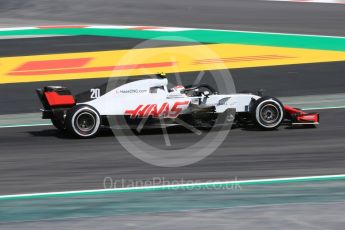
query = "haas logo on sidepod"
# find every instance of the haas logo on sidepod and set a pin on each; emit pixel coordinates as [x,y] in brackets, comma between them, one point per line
[154,111]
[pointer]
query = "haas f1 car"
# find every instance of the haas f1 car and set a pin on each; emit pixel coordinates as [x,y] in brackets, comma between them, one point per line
[152,100]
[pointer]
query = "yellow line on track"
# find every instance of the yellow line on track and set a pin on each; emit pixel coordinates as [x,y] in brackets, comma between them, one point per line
[152,60]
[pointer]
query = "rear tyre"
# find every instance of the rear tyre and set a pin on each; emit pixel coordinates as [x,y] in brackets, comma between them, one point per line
[58,124]
[268,113]
[83,121]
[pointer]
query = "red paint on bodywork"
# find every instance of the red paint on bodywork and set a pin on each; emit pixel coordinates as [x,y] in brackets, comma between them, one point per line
[55,99]
[152,110]
[302,116]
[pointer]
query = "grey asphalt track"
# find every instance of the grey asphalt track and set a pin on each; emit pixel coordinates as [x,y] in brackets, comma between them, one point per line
[39,159]
[72,44]
[252,15]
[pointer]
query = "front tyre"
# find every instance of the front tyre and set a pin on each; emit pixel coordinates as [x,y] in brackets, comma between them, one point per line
[83,121]
[268,113]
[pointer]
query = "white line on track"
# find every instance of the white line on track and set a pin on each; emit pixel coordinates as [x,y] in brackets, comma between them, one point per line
[330,107]
[177,29]
[24,125]
[276,33]
[17,28]
[311,1]
[32,36]
[178,186]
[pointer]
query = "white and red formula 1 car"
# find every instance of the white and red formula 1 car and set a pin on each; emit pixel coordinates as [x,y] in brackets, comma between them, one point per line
[150,99]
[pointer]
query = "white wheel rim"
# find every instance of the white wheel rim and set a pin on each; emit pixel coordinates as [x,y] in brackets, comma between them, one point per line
[94,127]
[277,106]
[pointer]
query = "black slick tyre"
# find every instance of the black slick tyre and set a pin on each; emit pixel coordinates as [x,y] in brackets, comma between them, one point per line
[58,124]
[268,113]
[83,121]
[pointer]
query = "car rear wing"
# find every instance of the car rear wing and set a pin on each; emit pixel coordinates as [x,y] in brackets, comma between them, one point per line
[55,96]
